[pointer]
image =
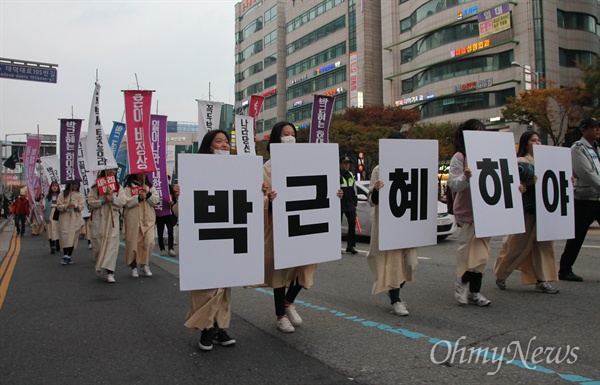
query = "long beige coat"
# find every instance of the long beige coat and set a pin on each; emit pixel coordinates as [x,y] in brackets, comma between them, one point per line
[390,268]
[284,277]
[208,307]
[523,251]
[52,225]
[70,220]
[139,223]
[105,227]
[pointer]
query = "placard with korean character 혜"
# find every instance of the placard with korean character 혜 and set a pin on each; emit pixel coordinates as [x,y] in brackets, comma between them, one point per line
[497,203]
[221,236]
[306,212]
[554,199]
[408,199]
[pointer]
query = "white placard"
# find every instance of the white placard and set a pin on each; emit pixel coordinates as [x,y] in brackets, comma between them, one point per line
[554,199]
[212,205]
[244,135]
[497,203]
[408,170]
[306,218]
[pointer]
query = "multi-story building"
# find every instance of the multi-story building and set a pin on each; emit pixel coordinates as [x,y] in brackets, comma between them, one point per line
[290,50]
[428,55]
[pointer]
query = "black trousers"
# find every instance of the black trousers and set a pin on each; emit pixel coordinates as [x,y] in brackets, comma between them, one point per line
[586,212]
[351,216]
[20,219]
[161,222]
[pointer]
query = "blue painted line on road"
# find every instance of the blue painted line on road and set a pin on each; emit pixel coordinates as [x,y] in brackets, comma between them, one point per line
[574,378]
[169,259]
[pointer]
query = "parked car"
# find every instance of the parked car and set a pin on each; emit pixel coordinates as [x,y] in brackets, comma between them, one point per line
[446,224]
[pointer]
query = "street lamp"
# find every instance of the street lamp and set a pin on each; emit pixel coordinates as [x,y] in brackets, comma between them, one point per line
[528,72]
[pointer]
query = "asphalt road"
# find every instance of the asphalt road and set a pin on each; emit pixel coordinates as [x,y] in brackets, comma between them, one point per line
[62,325]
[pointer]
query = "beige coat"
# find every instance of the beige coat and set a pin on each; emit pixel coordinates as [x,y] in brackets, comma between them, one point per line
[51,225]
[523,251]
[390,268]
[139,223]
[70,220]
[208,307]
[280,278]
[105,227]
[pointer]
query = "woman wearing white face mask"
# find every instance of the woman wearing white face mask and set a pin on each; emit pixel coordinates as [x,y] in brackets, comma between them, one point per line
[294,278]
[210,309]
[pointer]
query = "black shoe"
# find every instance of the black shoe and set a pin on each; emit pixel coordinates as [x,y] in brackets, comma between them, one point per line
[220,337]
[206,338]
[351,249]
[570,277]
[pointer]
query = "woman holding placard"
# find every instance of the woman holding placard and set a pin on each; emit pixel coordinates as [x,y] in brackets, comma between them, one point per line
[473,253]
[70,203]
[139,223]
[523,251]
[210,309]
[51,224]
[106,200]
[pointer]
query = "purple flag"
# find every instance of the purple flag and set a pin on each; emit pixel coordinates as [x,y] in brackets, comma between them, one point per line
[158,141]
[321,117]
[69,148]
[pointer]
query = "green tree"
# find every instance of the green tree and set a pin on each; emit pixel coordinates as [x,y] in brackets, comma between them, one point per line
[591,85]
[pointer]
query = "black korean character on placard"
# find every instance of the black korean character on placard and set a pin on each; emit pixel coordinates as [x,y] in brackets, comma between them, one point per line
[319,202]
[413,194]
[559,191]
[215,209]
[501,182]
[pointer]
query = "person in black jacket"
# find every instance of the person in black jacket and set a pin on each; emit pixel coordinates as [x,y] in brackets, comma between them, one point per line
[349,201]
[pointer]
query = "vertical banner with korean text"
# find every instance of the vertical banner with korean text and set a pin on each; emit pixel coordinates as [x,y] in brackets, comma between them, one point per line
[51,168]
[306,212]
[497,204]
[321,117]
[554,197]
[97,149]
[70,129]
[116,137]
[209,117]
[122,162]
[244,132]
[32,151]
[223,217]
[158,141]
[87,177]
[408,199]
[256,103]
[137,117]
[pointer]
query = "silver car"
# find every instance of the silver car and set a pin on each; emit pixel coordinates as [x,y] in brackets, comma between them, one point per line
[446,224]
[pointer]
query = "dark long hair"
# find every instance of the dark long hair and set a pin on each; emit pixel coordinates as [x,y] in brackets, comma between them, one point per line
[131,177]
[276,133]
[522,149]
[469,125]
[68,188]
[208,139]
[49,196]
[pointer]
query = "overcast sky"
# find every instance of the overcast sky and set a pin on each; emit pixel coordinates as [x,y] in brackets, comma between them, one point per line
[175,47]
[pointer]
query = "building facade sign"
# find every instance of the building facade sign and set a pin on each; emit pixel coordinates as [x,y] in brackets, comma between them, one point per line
[470,48]
[483,83]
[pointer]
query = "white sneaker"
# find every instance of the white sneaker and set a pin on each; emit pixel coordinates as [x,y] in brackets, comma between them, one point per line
[89,245]
[110,278]
[163,252]
[172,253]
[461,291]
[292,315]
[134,272]
[284,325]
[399,308]
[478,300]
[146,271]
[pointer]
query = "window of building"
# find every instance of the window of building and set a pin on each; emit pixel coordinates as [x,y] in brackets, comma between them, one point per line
[453,69]
[312,13]
[316,35]
[270,38]
[270,102]
[352,25]
[305,112]
[248,11]
[327,80]
[253,69]
[574,20]
[251,50]
[462,103]
[253,89]
[251,28]
[271,14]
[570,58]
[269,123]
[430,8]
[439,38]
[315,60]
[270,81]
[270,60]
